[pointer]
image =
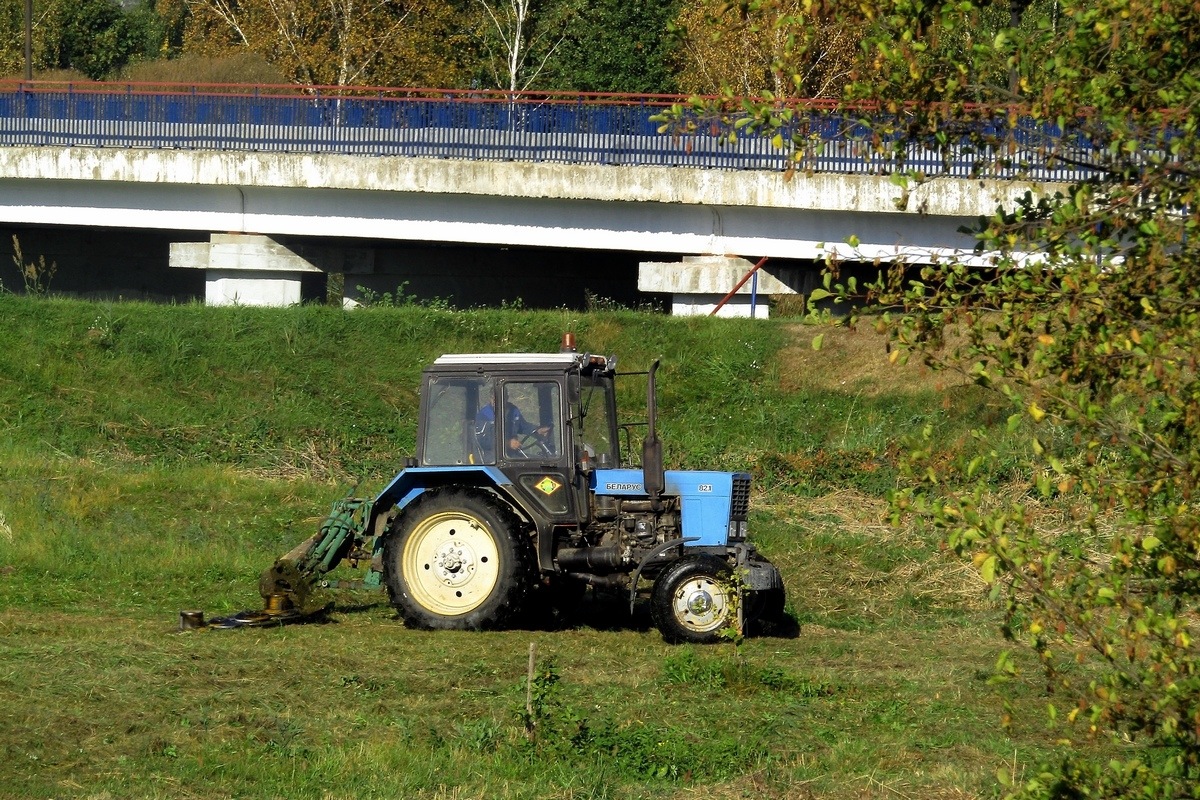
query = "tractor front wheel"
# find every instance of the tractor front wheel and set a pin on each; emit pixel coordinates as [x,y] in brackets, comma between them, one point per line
[692,600]
[455,560]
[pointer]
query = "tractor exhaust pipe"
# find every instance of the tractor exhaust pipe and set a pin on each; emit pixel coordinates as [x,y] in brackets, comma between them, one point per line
[653,478]
[597,560]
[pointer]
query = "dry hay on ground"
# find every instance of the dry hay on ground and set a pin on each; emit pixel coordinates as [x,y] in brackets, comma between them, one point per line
[855,359]
[930,574]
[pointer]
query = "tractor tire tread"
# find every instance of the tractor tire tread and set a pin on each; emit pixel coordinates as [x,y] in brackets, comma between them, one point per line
[662,610]
[509,598]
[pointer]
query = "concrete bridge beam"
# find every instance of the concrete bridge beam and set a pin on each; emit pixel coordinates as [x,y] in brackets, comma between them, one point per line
[253,270]
[699,283]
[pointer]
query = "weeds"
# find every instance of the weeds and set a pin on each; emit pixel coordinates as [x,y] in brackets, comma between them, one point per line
[400,298]
[683,667]
[35,274]
[734,588]
[372,299]
[641,748]
[104,329]
[595,303]
[480,736]
[540,696]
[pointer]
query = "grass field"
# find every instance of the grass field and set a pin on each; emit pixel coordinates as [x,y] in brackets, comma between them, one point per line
[154,459]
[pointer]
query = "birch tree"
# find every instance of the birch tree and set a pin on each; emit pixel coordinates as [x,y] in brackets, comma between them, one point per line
[520,37]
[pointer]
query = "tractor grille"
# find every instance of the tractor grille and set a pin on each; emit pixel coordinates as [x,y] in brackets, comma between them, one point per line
[739,507]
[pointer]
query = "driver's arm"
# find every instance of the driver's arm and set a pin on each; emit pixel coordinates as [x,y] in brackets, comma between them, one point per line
[515,442]
[521,428]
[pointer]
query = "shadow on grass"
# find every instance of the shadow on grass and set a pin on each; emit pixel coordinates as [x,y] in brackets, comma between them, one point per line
[608,610]
[598,610]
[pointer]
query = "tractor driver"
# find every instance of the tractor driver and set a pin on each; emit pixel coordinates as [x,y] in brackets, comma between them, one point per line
[517,427]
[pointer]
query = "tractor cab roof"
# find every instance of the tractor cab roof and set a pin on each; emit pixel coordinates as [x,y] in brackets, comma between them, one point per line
[549,362]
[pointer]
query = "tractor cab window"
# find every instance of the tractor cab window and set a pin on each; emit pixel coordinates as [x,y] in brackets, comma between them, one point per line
[458,427]
[594,421]
[532,422]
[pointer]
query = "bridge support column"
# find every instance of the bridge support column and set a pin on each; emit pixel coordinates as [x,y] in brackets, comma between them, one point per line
[252,270]
[698,283]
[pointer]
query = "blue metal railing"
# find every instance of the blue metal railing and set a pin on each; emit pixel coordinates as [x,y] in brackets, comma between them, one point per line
[578,129]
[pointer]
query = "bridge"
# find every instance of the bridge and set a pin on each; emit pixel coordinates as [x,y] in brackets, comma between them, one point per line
[292,181]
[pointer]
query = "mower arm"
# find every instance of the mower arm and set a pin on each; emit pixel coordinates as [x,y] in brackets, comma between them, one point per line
[290,581]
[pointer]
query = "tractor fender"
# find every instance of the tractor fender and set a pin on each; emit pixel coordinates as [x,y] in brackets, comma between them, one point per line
[412,482]
[760,575]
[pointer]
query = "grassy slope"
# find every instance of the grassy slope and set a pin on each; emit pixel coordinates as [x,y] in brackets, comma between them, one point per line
[156,458]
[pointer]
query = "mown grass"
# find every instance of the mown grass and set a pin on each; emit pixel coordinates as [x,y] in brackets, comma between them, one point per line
[157,458]
[358,708]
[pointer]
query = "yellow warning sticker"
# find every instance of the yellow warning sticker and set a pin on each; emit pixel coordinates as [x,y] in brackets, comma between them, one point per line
[547,485]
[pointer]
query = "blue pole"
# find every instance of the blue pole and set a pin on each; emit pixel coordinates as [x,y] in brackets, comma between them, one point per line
[753,294]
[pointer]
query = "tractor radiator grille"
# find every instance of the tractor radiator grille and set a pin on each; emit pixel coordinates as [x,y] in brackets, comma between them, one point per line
[739,507]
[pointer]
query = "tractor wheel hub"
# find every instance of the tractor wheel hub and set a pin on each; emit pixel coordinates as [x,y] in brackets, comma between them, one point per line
[700,602]
[454,563]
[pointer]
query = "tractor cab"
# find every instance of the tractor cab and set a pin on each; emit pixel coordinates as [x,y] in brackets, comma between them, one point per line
[541,420]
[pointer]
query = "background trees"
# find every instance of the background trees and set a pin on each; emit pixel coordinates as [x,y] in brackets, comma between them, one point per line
[94,37]
[742,47]
[618,46]
[637,46]
[340,42]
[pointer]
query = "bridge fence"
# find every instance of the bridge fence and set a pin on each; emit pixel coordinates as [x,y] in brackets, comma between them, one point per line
[494,126]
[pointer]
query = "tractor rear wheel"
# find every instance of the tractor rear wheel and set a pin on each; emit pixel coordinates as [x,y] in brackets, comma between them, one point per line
[455,559]
[692,600]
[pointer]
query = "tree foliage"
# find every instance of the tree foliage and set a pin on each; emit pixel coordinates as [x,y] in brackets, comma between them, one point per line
[12,37]
[95,37]
[790,48]
[617,46]
[654,46]
[1089,325]
[332,42]
[98,36]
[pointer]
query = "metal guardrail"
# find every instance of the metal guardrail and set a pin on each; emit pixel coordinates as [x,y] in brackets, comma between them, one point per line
[494,126]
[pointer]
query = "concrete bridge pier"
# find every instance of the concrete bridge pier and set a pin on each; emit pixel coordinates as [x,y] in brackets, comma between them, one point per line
[254,270]
[698,283]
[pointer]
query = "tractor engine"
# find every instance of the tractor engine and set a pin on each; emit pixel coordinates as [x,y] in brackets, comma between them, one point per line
[622,532]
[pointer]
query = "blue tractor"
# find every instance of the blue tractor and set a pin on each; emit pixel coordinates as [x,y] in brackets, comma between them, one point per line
[518,497]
